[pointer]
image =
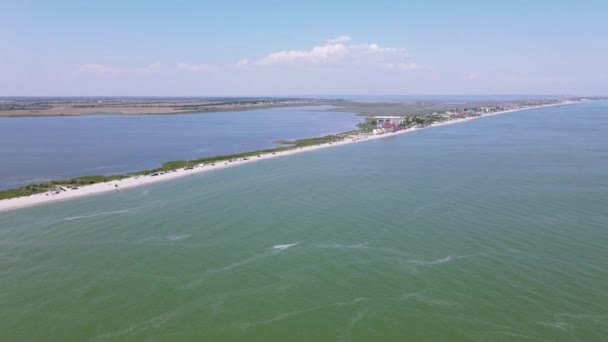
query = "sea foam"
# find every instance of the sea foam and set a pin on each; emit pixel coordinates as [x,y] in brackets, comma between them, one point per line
[178,237]
[447,259]
[96,214]
[280,248]
[337,245]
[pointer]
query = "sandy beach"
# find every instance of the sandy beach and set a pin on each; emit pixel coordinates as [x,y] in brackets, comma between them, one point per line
[118,185]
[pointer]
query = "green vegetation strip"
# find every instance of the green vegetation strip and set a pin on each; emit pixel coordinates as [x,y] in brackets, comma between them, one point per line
[71,183]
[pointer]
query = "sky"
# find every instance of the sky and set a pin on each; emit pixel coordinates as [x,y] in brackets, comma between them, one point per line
[295,48]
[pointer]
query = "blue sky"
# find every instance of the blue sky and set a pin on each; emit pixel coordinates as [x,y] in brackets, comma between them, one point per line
[211,48]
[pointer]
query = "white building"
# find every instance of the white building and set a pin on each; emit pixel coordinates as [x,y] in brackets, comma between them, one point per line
[395,120]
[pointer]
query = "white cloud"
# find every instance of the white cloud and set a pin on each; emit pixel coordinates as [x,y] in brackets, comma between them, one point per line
[318,55]
[149,68]
[195,67]
[470,76]
[98,70]
[242,62]
[339,39]
[403,66]
[336,53]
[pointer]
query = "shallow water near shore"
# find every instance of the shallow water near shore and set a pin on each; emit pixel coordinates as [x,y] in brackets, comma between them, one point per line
[38,149]
[493,229]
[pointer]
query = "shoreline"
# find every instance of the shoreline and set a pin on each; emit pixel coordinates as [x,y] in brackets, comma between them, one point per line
[142,180]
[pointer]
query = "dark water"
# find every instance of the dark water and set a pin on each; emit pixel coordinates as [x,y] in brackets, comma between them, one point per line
[494,229]
[39,149]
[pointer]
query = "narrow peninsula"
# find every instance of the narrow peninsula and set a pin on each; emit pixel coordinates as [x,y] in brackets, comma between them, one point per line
[373,127]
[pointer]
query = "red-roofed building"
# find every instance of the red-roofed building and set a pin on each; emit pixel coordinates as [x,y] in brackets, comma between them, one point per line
[389,127]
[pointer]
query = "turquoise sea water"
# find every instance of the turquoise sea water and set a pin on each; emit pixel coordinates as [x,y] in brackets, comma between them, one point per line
[494,229]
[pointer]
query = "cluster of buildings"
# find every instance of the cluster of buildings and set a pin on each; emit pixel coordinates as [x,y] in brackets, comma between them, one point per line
[387,124]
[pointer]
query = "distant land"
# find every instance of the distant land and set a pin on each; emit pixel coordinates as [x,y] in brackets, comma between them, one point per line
[58,106]
[68,106]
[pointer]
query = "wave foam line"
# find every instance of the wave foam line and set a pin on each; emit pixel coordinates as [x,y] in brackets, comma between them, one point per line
[178,237]
[97,214]
[280,248]
[337,245]
[445,260]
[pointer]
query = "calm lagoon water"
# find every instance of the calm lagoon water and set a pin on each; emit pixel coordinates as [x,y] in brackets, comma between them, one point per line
[495,229]
[39,149]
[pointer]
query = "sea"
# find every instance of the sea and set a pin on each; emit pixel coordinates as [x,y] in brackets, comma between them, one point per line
[39,149]
[494,229]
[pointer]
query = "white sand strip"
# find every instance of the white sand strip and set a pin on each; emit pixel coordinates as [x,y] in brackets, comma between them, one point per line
[48,197]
